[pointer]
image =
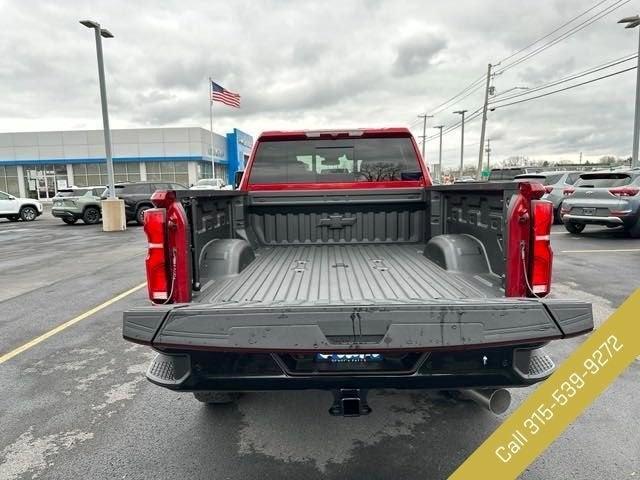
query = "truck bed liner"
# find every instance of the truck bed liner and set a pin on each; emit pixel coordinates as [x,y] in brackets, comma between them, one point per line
[346,274]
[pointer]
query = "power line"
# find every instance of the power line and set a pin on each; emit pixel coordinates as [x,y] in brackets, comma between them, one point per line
[568,78]
[565,88]
[466,92]
[552,32]
[444,105]
[606,11]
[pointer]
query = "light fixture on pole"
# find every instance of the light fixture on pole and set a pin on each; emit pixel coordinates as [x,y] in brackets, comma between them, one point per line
[461,112]
[632,22]
[113,217]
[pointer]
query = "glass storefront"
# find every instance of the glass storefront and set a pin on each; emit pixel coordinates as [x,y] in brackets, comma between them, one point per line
[89,174]
[126,172]
[43,181]
[171,171]
[204,170]
[9,180]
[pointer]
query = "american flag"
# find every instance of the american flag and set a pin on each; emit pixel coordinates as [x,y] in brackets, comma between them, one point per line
[219,94]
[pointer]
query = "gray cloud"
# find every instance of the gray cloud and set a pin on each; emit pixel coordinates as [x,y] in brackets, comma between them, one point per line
[416,54]
[310,65]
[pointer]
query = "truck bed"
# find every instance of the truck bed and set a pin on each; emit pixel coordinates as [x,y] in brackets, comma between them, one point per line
[361,274]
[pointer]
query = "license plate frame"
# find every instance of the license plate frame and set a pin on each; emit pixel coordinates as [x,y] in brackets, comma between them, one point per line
[349,358]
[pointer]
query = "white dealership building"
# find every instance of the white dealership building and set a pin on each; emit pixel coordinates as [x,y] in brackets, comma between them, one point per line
[37,164]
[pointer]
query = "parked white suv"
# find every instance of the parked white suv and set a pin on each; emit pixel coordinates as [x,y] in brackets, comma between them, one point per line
[15,208]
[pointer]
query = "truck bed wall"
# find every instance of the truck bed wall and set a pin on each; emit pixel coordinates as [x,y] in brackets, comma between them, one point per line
[250,221]
[338,217]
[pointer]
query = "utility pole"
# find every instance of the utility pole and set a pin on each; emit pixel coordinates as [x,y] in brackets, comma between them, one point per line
[488,150]
[580,158]
[424,131]
[633,22]
[440,127]
[461,112]
[484,123]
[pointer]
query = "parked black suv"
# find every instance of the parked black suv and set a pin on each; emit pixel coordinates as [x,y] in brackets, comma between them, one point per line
[137,196]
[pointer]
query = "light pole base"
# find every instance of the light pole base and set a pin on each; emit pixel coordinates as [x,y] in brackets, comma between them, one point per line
[113,216]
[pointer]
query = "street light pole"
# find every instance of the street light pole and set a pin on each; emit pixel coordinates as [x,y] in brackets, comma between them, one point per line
[461,112]
[99,33]
[440,127]
[633,22]
[112,209]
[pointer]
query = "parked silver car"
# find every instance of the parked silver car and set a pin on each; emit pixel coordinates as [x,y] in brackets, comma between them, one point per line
[554,185]
[603,198]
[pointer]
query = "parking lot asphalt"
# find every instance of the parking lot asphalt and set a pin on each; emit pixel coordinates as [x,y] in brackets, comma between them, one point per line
[77,404]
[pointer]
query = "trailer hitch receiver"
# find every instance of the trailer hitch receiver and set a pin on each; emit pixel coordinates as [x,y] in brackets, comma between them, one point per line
[349,402]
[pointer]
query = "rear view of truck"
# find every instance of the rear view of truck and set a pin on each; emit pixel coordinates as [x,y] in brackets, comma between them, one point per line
[338,266]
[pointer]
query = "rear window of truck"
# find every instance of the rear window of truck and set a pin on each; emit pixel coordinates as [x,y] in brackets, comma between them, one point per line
[334,161]
[603,180]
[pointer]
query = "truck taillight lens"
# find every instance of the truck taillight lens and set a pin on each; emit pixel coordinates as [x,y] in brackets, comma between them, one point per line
[568,191]
[541,255]
[624,191]
[156,262]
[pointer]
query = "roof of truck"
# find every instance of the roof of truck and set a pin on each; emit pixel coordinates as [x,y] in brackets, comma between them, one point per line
[344,132]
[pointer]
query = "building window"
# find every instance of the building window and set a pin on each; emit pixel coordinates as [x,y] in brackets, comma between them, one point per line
[90,174]
[126,172]
[169,171]
[9,180]
[204,170]
[221,172]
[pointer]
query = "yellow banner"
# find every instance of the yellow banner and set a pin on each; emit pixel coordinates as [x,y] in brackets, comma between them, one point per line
[560,399]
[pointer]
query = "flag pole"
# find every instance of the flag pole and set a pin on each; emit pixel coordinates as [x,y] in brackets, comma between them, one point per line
[213,162]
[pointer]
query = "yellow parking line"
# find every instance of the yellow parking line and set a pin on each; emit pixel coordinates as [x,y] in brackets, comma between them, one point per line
[613,250]
[68,323]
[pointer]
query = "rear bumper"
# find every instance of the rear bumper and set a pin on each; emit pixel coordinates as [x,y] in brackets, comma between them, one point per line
[590,220]
[65,213]
[477,368]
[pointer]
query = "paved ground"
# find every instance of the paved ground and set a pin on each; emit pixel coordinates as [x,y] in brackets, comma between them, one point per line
[77,405]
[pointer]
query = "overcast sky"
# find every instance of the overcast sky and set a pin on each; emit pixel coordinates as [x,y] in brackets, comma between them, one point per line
[317,65]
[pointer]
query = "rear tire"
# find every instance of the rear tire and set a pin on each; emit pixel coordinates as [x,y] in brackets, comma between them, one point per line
[69,220]
[91,216]
[634,230]
[140,214]
[557,219]
[28,214]
[574,227]
[216,398]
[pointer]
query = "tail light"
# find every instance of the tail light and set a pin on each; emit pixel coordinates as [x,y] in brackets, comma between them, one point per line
[624,191]
[548,189]
[168,258]
[519,223]
[540,253]
[156,261]
[568,191]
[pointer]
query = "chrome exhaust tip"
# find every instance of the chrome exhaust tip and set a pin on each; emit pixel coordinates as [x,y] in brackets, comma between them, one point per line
[497,401]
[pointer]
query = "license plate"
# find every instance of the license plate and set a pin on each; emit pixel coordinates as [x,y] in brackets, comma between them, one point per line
[588,211]
[349,357]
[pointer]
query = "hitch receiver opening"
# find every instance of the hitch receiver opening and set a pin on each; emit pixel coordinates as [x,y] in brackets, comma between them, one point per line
[349,402]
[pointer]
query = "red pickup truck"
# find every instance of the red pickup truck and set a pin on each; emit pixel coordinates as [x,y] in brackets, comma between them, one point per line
[337,265]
